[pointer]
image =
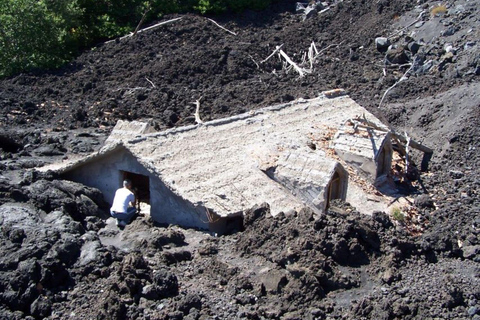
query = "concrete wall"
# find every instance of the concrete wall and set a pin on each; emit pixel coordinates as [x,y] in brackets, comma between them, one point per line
[308,176]
[366,166]
[105,173]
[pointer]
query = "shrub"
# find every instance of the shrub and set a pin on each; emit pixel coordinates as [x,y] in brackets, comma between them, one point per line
[397,214]
[29,37]
[47,33]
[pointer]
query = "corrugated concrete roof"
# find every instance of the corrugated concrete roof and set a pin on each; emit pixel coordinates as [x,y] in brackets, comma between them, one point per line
[221,164]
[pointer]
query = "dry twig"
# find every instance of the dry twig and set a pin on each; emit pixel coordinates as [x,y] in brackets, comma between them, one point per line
[301,71]
[221,27]
[330,46]
[419,18]
[273,53]
[141,22]
[153,85]
[403,78]
[146,29]
[258,67]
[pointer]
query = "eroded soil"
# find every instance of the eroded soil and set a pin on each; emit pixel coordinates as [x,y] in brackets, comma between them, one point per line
[63,258]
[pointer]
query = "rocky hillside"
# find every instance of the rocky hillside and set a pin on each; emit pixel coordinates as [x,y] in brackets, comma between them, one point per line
[413,64]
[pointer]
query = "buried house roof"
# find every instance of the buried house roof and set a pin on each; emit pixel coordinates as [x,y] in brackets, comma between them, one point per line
[228,165]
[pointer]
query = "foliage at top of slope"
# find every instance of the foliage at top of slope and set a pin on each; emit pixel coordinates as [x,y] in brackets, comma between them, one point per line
[47,33]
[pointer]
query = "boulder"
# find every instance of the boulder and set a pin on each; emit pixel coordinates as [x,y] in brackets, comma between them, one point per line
[413,47]
[472,252]
[396,56]
[382,44]
[424,201]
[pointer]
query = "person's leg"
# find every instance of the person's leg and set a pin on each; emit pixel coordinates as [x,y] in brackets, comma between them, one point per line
[121,217]
[125,216]
[130,214]
[115,215]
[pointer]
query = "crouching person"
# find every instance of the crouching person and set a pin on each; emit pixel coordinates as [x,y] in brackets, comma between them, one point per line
[123,207]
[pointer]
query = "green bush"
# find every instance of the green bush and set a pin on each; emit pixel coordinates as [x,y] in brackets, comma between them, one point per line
[210,6]
[397,214]
[47,33]
[29,36]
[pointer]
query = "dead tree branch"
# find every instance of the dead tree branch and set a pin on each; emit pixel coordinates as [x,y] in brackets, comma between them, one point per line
[403,78]
[407,145]
[258,67]
[150,81]
[159,24]
[419,18]
[197,111]
[399,137]
[301,71]
[141,22]
[223,28]
[273,53]
[330,46]
[146,29]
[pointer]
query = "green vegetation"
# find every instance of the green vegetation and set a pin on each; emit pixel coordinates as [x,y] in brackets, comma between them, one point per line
[47,33]
[397,214]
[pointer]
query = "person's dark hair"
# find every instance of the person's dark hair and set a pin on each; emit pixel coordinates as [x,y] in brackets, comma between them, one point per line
[127,183]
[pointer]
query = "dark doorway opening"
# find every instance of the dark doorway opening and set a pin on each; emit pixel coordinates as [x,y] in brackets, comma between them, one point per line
[334,191]
[140,185]
[337,187]
[383,162]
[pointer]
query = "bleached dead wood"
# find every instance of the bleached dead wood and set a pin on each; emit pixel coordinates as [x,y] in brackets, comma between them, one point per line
[258,67]
[129,91]
[146,29]
[403,78]
[407,160]
[150,81]
[159,25]
[273,53]
[330,46]
[404,142]
[197,111]
[399,137]
[223,28]
[312,54]
[300,71]
[412,143]
[419,18]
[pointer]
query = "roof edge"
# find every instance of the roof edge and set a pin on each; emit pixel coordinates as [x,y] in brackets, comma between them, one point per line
[325,95]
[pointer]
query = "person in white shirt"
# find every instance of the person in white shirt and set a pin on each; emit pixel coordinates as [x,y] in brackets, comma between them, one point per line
[123,207]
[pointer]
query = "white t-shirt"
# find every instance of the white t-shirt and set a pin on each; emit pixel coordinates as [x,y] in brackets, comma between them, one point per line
[123,197]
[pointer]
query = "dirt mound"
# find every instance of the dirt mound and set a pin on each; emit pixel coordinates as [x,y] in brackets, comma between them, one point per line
[62,258]
[159,74]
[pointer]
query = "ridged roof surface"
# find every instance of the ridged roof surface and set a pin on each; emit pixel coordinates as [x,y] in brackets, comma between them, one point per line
[221,164]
